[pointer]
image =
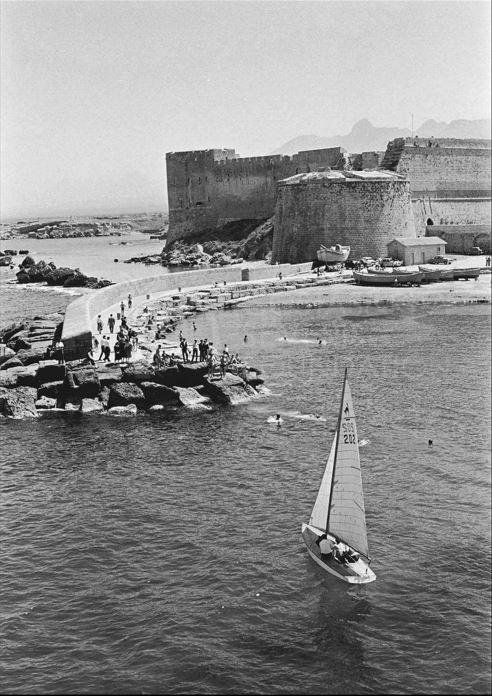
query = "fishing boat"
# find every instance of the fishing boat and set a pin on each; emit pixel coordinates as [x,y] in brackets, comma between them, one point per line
[431,273]
[408,278]
[465,273]
[333,254]
[338,515]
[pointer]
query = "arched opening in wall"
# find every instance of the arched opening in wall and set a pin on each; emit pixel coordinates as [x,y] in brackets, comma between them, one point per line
[429,222]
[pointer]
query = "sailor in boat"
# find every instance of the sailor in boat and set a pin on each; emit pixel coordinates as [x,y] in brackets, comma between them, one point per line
[336,550]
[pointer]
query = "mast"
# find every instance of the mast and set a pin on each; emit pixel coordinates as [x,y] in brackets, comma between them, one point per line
[336,450]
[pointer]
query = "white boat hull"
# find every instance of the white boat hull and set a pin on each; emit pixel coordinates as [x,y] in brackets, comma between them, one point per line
[357,573]
[334,254]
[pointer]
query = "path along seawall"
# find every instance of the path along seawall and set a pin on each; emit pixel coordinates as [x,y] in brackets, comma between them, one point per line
[81,314]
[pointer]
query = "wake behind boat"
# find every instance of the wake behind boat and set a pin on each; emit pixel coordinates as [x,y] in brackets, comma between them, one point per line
[336,536]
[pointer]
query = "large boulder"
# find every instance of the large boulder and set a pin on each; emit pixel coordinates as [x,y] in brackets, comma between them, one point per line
[18,403]
[159,394]
[83,381]
[59,276]
[20,376]
[230,390]
[11,362]
[52,390]
[191,374]
[8,331]
[19,344]
[169,376]
[109,374]
[7,353]
[126,393]
[130,410]
[91,406]
[32,355]
[190,398]
[27,262]
[138,372]
[45,402]
[51,371]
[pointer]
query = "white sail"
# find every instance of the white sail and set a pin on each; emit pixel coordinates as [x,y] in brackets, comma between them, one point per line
[346,516]
[319,515]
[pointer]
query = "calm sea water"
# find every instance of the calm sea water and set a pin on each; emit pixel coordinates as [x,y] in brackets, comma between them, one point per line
[163,553]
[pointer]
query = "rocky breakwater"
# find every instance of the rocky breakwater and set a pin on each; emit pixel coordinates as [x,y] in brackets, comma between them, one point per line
[232,244]
[32,272]
[30,390]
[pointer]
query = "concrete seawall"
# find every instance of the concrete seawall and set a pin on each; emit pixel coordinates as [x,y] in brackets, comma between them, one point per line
[81,313]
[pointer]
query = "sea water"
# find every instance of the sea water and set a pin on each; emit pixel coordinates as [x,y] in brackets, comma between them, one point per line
[162,553]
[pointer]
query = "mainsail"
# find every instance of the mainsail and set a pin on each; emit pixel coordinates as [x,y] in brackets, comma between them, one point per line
[346,517]
[319,514]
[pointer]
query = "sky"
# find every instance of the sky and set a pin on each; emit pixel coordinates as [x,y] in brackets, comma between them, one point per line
[93,94]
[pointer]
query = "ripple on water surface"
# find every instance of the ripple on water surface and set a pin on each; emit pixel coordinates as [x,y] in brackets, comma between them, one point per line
[163,553]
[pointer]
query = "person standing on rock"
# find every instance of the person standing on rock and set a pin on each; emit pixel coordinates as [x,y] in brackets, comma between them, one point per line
[129,301]
[107,351]
[194,352]
[99,324]
[60,352]
[245,339]
[184,350]
[90,355]
[111,323]
[122,307]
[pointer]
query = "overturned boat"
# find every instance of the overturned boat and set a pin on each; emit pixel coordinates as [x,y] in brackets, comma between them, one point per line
[333,254]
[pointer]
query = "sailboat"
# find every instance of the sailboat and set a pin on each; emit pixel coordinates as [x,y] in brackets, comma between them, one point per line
[336,536]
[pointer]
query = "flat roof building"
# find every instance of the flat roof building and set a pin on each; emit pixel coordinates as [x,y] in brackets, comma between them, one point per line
[415,250]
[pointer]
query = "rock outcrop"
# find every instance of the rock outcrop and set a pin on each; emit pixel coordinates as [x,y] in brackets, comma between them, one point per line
[32,272]
[18,403]
[230,390]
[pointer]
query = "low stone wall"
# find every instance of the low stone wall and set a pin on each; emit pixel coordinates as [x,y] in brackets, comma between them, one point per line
[81,313]
[461,238]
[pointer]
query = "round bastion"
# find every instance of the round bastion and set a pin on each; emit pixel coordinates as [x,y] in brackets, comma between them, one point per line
[361,209]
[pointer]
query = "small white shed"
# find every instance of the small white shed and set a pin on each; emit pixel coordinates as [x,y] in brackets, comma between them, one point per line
[415,250]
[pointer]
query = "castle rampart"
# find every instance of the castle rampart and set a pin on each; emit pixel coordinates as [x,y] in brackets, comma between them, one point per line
[210,188]
[363,210]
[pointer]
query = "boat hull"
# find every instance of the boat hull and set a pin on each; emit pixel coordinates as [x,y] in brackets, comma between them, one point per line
[389,279]
[354,573]
[465,273]
[431,275]
[337,254]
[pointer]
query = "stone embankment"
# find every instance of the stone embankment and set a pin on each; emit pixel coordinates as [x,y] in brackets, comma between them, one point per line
[26,391]
[32,272]
[32,384]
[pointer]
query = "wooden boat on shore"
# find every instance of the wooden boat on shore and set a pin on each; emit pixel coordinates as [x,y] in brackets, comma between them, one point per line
[466,273]
[388,279]
[336,536]
[431,274]
[333,254]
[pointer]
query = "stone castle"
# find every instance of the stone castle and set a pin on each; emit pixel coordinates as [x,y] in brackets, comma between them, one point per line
[330,196]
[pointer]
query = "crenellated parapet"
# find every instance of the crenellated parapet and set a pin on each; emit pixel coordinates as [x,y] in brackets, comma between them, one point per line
[209,188]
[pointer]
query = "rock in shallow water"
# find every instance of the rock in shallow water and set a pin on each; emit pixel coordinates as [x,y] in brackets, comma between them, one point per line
[45,402]
[126,393]
[130,410]
[91,406]
[18,403]
[231,390]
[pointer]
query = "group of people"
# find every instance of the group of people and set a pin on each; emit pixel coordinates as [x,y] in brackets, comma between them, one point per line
[202,350]
[336,550]
[126,338]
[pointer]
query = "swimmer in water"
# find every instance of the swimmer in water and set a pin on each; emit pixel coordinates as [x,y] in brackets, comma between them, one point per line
[285,338]
[278,420]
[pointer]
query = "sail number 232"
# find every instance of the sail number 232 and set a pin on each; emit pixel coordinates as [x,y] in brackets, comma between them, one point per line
[348,433]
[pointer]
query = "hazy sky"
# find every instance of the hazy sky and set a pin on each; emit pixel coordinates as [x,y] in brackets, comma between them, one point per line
[94,93]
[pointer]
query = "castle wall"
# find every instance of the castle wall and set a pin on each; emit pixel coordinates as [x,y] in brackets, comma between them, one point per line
[209,188]
[461,238]
[363,214]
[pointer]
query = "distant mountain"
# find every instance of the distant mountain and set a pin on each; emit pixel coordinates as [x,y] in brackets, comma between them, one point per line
[365,137]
